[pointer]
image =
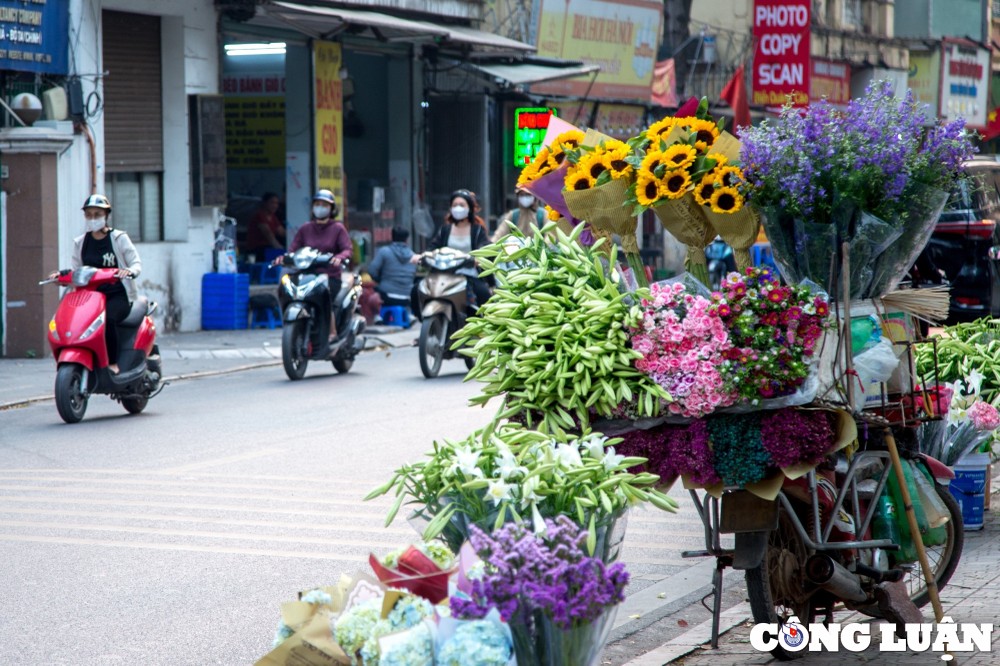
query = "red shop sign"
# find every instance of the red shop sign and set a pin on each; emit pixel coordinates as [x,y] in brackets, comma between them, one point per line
[781,31]
[830,79]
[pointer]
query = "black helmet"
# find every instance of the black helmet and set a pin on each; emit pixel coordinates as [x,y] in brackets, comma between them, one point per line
[98,201]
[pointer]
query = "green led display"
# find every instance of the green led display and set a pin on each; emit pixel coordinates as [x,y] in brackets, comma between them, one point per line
[529,132]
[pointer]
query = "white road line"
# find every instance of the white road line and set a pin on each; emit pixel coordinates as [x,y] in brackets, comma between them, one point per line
[215,462]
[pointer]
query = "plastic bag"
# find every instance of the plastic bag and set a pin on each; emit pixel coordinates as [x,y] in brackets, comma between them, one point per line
[875,366]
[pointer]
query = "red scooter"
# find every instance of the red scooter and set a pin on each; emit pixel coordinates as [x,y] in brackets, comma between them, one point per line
[76,335]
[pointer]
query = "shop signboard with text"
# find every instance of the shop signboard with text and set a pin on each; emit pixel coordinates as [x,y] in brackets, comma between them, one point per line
[620,36]
[924,81]
[34,36]
[965,71]
[830,79]
[781,68]
[329,128]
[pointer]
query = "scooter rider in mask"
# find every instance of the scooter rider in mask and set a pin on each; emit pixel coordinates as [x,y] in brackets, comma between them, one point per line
[104,247]
[323,233]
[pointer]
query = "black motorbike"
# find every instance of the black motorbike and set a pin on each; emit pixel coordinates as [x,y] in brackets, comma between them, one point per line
[304,296]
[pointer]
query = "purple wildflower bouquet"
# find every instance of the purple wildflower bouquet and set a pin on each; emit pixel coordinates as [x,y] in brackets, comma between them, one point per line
[555,597]
[870,176]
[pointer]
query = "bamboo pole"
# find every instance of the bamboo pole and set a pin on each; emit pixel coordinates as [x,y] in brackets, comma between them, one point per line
[911,517]
[845,270]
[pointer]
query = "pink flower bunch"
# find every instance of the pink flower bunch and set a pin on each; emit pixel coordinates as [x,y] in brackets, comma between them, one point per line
[984,416]
[683,343]
[774,330]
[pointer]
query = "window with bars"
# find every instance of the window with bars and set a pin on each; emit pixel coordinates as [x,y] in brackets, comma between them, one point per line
[995,10]
[137,204]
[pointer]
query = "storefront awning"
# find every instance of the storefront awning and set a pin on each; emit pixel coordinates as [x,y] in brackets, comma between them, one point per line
[526,73]
[327,22]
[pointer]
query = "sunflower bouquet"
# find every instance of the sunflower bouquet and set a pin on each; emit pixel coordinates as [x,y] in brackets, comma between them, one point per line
[723,204]
[671,158]
[596,185]
[543,177]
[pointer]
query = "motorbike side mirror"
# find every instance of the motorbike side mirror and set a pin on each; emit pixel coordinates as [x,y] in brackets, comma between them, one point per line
[994,253]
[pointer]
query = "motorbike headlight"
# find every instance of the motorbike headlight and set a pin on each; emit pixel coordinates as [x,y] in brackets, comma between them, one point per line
[90,330]
[288,285]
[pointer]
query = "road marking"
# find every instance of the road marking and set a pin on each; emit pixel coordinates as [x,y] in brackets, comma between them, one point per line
[161,517]
[160,531]
[215,462]
[225,550]
[351,503]
[369,485]
[179,505]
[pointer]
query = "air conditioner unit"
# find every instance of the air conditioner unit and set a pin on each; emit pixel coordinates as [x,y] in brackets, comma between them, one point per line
[55,104]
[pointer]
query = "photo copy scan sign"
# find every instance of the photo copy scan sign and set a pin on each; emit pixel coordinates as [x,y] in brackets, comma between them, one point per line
[781,55]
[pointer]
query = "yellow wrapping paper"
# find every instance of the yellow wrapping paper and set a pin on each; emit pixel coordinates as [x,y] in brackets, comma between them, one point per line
[686,221]
[604,208]
[738,229]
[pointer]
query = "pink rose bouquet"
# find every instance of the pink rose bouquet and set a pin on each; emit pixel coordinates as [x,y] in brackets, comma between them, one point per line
[684,344]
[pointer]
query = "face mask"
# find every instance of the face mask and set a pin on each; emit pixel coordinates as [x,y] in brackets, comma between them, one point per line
[459,212]
[95,224]
[526,200]
[321,212]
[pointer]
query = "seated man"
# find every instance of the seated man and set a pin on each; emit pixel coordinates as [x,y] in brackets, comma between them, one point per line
[393,271]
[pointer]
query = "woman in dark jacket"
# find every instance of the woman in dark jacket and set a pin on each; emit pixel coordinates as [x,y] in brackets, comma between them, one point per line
[464,231]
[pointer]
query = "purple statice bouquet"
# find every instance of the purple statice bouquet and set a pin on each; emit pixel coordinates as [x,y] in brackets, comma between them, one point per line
[556,599]
[870,175]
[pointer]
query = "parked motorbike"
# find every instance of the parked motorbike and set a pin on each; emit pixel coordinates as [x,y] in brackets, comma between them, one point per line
[304,295]
[76,336]
[721,261]
[827,541]
[444,303]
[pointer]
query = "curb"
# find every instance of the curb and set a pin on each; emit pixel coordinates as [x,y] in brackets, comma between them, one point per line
[23,402]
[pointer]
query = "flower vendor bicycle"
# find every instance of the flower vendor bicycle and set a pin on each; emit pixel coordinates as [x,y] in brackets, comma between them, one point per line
[830,539]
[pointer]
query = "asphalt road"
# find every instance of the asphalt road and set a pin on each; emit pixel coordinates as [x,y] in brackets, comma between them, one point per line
[174,536]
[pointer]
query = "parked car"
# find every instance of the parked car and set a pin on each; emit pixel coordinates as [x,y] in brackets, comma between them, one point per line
[966,237]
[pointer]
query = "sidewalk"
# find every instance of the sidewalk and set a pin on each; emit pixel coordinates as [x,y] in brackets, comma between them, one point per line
[972,595]
[184,355]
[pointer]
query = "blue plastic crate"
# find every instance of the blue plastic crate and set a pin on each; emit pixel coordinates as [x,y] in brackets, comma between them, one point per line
[225,299]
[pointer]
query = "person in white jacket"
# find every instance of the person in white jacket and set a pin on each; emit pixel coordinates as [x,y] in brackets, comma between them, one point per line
[104,247]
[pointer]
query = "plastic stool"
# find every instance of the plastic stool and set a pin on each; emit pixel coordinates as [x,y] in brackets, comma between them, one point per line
[264,312]
[395,315]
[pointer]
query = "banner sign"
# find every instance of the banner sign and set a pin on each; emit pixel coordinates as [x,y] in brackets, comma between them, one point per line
[329,131]
[620,36]
[619,121]
[965,71]
[924,80]
[830,79]
[781,31]
[664,91]
[34,36]
[255,132]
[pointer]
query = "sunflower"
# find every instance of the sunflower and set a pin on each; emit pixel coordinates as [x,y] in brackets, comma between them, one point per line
[720,159]
[679,156]
[552,213]
[676,183]
[704,190]
[618,167]
[569,139]
[595,164]
[651,161]
[614,145]
[660,128]
[707,132]
[648,190]
[579,180]
[729,176]
[726,200]
[528,174]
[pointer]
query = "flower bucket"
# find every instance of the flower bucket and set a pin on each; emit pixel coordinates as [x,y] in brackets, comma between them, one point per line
[968,488]
[686,221]
[539,642]
[738,229]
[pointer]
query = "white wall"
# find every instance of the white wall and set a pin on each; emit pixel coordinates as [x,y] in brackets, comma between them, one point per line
[172,269]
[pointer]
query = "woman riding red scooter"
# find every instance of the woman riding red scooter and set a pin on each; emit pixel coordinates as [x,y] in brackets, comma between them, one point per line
[101,335]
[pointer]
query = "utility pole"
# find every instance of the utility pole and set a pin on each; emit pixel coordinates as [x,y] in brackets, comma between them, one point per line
[677,41]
